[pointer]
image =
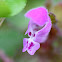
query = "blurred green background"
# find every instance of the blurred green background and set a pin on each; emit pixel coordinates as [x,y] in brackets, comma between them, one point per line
[13,29]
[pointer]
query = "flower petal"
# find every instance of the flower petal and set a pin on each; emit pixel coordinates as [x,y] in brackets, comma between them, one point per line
[38,15]
[25,40]
[35,46]
[42,34]
[29,28]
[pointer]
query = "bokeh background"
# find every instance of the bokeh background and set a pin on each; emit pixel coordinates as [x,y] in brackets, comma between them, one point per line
[13,29]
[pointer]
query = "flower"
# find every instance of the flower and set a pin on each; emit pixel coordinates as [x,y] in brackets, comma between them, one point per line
[38,29]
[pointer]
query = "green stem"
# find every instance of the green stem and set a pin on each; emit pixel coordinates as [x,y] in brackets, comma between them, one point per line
[1,20]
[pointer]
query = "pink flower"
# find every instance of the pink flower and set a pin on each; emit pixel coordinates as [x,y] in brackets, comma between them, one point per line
[38,29]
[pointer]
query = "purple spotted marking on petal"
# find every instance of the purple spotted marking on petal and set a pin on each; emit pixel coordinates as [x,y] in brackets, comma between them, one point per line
[31,45]
[33,48]
[34,35]
[30,33]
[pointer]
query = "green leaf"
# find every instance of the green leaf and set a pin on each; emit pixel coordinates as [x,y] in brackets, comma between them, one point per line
[11,7]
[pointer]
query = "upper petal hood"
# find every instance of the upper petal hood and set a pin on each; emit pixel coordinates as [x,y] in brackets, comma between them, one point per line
[38,15]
